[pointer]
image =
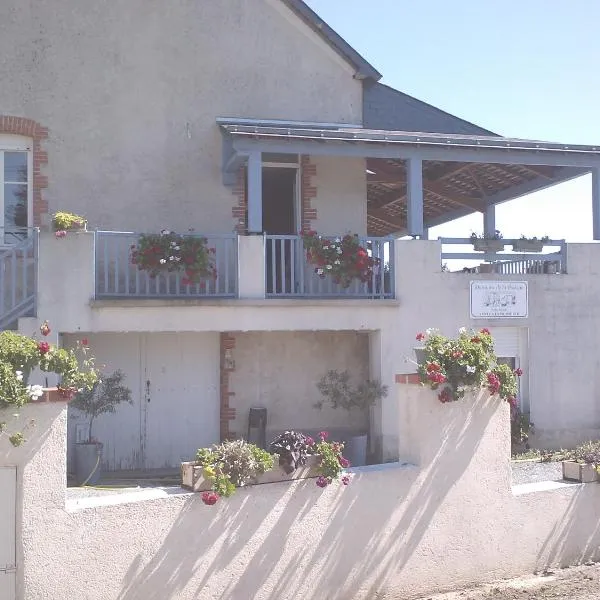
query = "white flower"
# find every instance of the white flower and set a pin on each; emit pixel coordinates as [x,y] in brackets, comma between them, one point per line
[162,261]
[462,330]
[337,240]
[19,375]
[173,244]
[35,391]
[430,331]
[177,247]
[325,247]
[337,262]
[329,267]
[171,258]
[177,258]
[339,250]
[165,232]
[319,271]
[470,369]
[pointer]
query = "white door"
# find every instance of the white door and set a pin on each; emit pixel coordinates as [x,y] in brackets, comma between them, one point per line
[510,345]
[8,558]
[181,412]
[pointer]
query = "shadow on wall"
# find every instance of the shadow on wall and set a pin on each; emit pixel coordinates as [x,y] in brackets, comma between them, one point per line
[366,534]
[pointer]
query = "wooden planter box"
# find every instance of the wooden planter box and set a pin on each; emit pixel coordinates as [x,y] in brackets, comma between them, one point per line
[528,246]
[581,472]
[192,476]
[488,245]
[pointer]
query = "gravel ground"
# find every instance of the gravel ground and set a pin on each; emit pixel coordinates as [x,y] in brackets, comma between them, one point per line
[534,471]
[576,583]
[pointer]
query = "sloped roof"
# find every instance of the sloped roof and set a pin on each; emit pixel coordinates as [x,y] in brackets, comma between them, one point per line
[364,69]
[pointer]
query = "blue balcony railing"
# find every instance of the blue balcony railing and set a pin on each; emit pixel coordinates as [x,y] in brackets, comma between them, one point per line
[118,278]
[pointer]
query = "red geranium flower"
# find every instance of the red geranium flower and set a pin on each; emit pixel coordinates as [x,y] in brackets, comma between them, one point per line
[420,336]
[45,328]
[485,331]
[210,498]
[44,347]
[518,372]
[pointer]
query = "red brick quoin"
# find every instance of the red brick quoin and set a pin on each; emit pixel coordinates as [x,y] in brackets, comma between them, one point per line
[308,191]
[33,130]
[225,394]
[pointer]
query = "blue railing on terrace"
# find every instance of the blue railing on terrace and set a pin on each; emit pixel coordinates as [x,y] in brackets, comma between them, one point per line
[289,275]
[117,277]
[18,276]
[517,262]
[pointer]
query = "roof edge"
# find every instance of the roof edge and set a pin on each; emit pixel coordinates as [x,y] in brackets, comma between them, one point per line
[364,69]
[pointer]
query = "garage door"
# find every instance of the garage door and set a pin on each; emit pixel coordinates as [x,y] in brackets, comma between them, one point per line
[507,340]
[8,490]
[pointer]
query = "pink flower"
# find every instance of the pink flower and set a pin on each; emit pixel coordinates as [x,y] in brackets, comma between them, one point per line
[309,441]
[518,372]
[445,396]
[60,234]
[323,435]
[345,480]
[322,482]
[45,328]
[210,498]
[420,337]
[485,331]
[344,462]
[85,342]
[44,347]
[493,383]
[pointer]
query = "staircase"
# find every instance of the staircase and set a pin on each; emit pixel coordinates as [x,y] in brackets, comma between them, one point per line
[18,281]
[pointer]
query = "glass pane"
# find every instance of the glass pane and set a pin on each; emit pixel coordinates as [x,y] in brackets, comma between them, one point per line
[15,167]
[15,206]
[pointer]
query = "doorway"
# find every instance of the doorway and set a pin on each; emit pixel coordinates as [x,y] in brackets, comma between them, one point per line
[280,219]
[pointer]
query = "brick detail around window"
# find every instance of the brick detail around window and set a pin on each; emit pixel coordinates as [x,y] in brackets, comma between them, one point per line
[240,209]
[227,367]
[308,191]
[33,130]
[410,378]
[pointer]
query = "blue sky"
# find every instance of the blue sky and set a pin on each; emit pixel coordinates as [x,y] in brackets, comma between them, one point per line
[522,68]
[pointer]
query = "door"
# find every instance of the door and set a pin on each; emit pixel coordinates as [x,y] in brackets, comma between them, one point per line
[279,219]
[510,345]
[181,402]
[8,557]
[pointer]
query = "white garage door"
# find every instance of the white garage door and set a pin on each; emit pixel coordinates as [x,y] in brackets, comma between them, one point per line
[8,490]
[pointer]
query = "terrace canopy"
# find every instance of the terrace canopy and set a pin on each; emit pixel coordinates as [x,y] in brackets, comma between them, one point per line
[415,180]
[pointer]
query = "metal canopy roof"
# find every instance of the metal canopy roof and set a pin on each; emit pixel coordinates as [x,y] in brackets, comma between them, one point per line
[462,174]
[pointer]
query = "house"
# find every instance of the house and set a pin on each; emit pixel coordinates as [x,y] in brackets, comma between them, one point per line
[247,122]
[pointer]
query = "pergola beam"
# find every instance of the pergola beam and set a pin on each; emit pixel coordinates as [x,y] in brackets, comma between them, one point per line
[381,215]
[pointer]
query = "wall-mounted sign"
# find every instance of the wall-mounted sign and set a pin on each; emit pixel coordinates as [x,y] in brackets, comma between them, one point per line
[499,300]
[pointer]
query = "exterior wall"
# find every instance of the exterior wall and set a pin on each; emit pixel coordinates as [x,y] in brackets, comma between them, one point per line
[393,531]
[174,379]
[279,370]
[130,94]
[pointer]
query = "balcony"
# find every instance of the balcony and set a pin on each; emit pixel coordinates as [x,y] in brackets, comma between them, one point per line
[551,259]
[273,266]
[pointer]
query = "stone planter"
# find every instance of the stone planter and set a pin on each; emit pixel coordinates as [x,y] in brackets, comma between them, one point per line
[192,475]
[528,246]
[483,245]
[582,472]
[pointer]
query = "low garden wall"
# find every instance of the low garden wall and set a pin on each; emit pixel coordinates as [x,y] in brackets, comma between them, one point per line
[448,519]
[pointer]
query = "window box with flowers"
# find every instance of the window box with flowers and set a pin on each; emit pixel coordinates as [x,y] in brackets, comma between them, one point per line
[487,243]
[169,252]
[62,222]
[583,463]
[219,470]
[343,259]
[533,244]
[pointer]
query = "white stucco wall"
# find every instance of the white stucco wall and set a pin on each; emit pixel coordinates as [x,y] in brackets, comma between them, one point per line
[279,371]
[394,530]
[130,93]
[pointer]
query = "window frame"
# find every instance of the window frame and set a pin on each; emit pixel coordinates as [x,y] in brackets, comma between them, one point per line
[16,143]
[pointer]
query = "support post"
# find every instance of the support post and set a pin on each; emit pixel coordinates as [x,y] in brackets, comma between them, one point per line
[596,203]
[255,192]
[414,196]
[489,221]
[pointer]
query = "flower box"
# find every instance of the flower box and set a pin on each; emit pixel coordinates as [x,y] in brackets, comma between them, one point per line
[485,245]
[528,245]
[192,475]
[582,472]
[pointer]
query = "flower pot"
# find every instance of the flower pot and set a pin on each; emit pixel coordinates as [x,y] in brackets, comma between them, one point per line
[528,246]
[87,463]
[582,472]
[484,245]
[355,450]
[421,355]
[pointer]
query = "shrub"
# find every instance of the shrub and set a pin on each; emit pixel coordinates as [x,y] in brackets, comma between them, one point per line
[335,387]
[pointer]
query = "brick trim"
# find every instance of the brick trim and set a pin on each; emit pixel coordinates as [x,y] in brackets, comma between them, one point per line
[227,412]
[240,209]
[410,378]
[308,191]
[31,129]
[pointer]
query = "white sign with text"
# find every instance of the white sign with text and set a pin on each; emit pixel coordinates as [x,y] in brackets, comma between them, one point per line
[499,300]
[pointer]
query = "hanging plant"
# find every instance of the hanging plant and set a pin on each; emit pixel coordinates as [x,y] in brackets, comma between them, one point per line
[342,258]
[169,252]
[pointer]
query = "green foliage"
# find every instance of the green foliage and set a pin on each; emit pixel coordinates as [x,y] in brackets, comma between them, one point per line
[16,439]
[588,453]
[332,461]
[65,221]
[169,252]
[535,239]
[336,388]
[232,464]
[102,397]
[19,352]
[490,236]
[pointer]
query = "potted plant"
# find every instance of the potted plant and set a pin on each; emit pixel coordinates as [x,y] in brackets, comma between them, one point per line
[65,221]
[487,242]
[532,244]
[103,397]
[342,258]
[169,252]
[336,388]
[583,463]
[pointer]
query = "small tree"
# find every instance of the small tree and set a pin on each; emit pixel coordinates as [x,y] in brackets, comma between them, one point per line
[336,388]
[104,397]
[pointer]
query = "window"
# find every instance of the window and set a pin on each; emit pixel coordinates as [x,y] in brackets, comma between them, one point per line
[15,191]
